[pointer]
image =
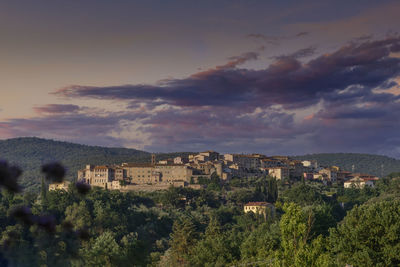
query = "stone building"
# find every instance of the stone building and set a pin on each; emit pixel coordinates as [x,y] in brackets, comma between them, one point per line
[280,173]
[263,208]
[59,186]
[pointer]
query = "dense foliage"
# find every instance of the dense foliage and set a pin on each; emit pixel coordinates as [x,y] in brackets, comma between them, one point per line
[30,153]
[364,163]
[313,225]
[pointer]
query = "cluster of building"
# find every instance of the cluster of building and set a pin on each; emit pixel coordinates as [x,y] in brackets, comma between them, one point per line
[186,171]
[335,174]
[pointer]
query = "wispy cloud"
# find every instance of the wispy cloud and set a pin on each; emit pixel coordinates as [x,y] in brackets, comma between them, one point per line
[275,40]
[301,53]
[56,108]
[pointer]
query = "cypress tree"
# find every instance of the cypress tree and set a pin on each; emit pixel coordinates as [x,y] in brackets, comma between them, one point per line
[43,194]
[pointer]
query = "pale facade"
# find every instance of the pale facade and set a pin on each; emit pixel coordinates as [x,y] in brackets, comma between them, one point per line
[102,175]
[329,173]
[120,174]
[97,175]
[270,163]
[180,160]
[59,186]
[359,183]
[174,172]
[263,208]
[296,169]
[310,164]
[141,173]
[144,173]
[210,155]
[280,173]
[245,161]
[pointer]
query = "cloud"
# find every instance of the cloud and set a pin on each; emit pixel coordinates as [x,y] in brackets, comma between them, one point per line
[56,108]
[338,101]
[300,34]
[232,63]
[81,128]
[275,40]
[287,81]
[301,53]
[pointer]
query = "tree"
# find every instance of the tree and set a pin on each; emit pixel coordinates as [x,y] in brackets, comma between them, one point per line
[133,250]
[323,219]
[303,194]
[172,197]
[217,247]
[43,195]
[296,247]
[18,249]
[78,215]
[261,243]
[369,235]
[183,239]
[104,252]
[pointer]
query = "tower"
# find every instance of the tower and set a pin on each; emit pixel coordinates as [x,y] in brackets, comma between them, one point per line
[153,159]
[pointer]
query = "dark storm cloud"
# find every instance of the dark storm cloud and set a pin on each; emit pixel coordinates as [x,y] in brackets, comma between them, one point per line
[367,128]
[287,81]
[230,108]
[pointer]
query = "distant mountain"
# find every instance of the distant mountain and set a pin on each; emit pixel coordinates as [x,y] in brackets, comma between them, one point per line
[365,163]
[30,153]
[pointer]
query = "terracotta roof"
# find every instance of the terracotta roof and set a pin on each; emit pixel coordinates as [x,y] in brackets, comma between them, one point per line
[171,164]
[139,165]
[359,179]
[101,167]
[371,179]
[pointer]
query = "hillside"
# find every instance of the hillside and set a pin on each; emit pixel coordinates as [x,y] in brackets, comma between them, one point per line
[30,153]
[365,163]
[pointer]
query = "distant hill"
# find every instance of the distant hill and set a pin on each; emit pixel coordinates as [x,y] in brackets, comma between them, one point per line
[365,163]
[30,153]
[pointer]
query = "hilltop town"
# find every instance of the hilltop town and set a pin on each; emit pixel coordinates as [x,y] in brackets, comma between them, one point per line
[190,171]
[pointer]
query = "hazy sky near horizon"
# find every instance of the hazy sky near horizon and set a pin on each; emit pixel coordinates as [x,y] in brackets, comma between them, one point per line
[276,77]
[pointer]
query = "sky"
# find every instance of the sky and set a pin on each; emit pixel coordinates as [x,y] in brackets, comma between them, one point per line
[271,77]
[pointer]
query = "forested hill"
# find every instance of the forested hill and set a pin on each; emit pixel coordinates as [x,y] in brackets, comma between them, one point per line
[30,153]
[365,163]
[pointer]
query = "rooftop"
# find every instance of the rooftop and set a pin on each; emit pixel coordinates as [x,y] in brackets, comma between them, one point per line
[260,203]
[101,167]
